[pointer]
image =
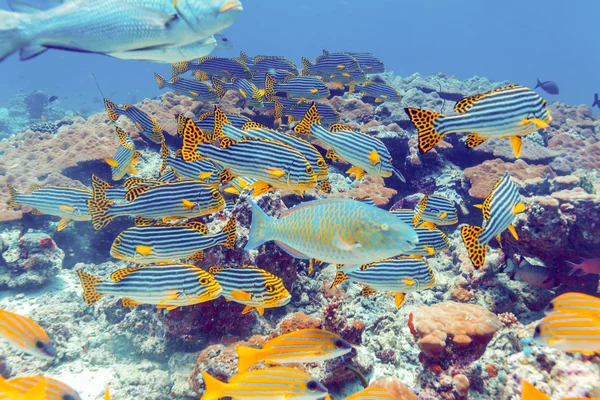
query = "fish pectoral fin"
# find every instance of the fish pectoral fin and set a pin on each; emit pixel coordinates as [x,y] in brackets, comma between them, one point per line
[358,172]
[513,231]
[127,302]
[519,208]
[188,204]
[240,295]
[399,299]
[143,250]
[474,140]
[63,223]
[343,244]
[517,144]
[374,157]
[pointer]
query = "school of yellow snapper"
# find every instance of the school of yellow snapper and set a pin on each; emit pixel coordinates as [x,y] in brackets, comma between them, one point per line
[230,154]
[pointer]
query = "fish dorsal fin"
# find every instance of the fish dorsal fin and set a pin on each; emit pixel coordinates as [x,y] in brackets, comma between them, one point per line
[251,125]
[340,128]
[197,226]
[420,208]
[117,276]
[465,103]
[134,192]
[124,139]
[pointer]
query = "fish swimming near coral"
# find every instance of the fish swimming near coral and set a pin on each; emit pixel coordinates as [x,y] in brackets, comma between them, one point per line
[575,302]
[217,66]
[329,63]
[125,158]
[162,201]
[301,346]
[109,26]
[535,275]
[367,154]
[570,331]
[586,266]
[336,231]
[397,276]
[152,242]
[166,285]
[147,126]
[499,211]
[272,163]
[253,287]
[549,87]
[512,111]
[191,88]
[273,383]
[380,91]
[25,335]
[434,210]
[301,88]
[70,204]
[53,388]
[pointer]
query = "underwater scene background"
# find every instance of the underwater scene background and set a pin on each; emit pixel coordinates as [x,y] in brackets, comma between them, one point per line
[411,213]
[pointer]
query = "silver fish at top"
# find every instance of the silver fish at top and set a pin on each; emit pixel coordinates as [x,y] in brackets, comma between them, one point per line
[109,26]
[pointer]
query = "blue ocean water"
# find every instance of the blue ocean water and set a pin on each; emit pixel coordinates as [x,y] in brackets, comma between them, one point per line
[509,40]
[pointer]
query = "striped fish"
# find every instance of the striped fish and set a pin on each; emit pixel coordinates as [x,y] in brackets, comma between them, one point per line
[371,393]
[301,346]
[329,63]
[431,241]
[273,164]
[336,231]
[369,63]
[265,63]
[25,335]
[302,88]
[571,331]
[191,88]
[54,389]
[340,79]
[512,111]
[166,285]
[165,200]
[380,91]
[294,111]
[258,77]
[274,383]
[147,126]
[575,302]
[217,66]
[434,210]
[256,288]
[244,87]
[125,158]
[499,210]
[151,242]
[396,275]
[206,121]
[203,170]
[367,154]
[69,204]
[404,214]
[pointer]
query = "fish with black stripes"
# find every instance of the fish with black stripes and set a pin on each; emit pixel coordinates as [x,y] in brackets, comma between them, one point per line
[301,88]
[380,91]
[329,63]
[397,276]
[147,126]
[253,287]
[152,242]
[165,285]
[162,201]
[434,210]
[216,66]
[499,209]
[200,91]
[70,204]
[125,157]
[509,112]
[203,170]
[23,334]
[369,63]
[367,154]
[247,89]
[272,163]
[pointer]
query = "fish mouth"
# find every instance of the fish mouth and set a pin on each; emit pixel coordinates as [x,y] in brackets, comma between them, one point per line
[231,5]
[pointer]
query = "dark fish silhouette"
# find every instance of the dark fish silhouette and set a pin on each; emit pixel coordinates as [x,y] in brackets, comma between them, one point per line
[596,101]
[52,98]
[548,86]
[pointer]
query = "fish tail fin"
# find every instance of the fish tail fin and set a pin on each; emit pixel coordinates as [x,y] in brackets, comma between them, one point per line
[270,87]
[470,235]
[215,389]
[89,283]
[99,204]
[424,121]
[12,193]
[231,233]
[160,80]
[218,86]
[259,228]
[305,67]
[247,357]
[596,100]
[310,118]
[112,110]
[12,36]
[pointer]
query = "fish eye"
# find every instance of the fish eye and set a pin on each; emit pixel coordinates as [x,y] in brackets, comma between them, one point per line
[309,169]
[204,281]
[269,288]
[312,385]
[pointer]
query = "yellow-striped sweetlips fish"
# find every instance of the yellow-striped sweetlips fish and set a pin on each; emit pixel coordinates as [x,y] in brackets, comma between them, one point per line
[404,214]
[217,66]
[367,154]
[25,335]
[266,63]
[398,276]
[244,87]
[54,389]
[191,88]
[499,211]
[70,204]
[166,285]
[294,111]
[148,126]
[256,288]
[434,210]
[336,231]
[571,331]
[573,301]
[152,242]
[204,170]
[302,88]
[272,163]
[512,111]
[371,393]
[274,383]
[258,77]
[369,63]
[164,201]
[380,91]
[301,346]
[329,63]
[125,158]
[431,241]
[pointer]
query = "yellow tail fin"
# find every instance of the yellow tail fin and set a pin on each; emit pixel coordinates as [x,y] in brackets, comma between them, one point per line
[424,122]
[89,284]
[470,235]
[310,118]
[247,357]
[160,80]
[231,233]
[215,389]
[12,201]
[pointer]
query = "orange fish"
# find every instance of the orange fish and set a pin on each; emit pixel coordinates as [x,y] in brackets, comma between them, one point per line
[25,335]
